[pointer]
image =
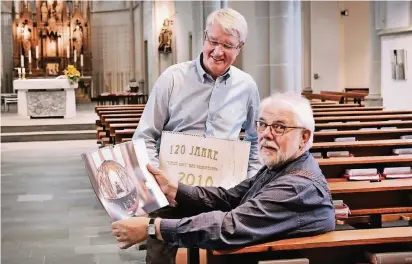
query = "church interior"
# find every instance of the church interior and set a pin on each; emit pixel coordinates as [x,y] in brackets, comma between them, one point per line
[76,76]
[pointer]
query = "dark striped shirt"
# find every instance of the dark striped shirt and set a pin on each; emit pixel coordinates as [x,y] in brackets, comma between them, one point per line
[290,201]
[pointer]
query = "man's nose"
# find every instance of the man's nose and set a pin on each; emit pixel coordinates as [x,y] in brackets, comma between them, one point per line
[267,133]
[218,50]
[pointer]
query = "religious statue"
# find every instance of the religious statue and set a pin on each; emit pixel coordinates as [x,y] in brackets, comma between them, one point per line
[27,37]
[52,25]
[165,38]
[59,9]
[44,12]
[78,38]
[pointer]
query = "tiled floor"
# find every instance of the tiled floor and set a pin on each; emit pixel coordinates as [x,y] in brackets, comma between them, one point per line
[49,213]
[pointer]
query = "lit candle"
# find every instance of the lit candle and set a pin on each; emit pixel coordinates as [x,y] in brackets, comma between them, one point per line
[29,56]
[75,56]
[22,61]
[81,60]
[68,52]
[37,52]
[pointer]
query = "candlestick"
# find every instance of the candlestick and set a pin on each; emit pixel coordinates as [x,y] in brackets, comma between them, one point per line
[22,61]
[81,60]
[75,56]
[29,56]
[68,52]
[37,52]
[19,72]
[23,72]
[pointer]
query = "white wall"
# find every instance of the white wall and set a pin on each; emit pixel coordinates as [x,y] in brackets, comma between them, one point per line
[397,94]
[356,44]
[398,14]
[326,45]
[111,38]
[183,25]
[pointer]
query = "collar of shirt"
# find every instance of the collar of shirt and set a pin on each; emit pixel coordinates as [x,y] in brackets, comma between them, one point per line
[300,158]
[203,75]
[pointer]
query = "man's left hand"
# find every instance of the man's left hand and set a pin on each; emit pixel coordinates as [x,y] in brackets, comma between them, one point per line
[131,231]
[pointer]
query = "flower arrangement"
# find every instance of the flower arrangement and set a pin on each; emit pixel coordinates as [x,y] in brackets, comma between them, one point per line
[72,74]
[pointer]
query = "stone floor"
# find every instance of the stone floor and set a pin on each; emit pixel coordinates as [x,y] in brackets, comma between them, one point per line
[85,114]
[49,212]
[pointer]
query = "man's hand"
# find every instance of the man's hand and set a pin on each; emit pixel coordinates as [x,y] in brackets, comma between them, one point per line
[131,231]
[168,187]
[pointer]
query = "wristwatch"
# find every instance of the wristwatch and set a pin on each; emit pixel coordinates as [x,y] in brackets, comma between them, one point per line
[151,228]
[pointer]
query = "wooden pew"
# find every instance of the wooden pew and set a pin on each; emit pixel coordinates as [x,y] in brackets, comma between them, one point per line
[336,247]
[336,106]
[361,113]
[334,168]
[319,120]
[346,109]
[374,199]
[363,148]
[324,97]
[354,126]
[356,96]
[360,135]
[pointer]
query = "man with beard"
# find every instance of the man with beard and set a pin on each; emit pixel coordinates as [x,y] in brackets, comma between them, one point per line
[207,96]
[288,197]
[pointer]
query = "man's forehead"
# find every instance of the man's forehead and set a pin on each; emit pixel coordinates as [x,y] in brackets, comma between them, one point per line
[276,114]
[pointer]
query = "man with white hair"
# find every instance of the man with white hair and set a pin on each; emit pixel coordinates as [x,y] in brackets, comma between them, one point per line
[288,197]
[206,96]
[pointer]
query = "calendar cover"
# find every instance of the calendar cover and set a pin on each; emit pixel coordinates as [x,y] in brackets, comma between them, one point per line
[197,160]
[121,180]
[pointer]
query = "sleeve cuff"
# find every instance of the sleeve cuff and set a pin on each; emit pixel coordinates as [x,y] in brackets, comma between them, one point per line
[168,229]
[184,192]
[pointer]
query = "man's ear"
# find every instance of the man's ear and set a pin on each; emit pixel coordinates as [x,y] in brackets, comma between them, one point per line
[305,136]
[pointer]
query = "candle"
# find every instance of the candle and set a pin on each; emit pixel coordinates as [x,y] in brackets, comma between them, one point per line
[81,60]
[75,56]
[68,52]
[37,52]
[22,61]
[29,56]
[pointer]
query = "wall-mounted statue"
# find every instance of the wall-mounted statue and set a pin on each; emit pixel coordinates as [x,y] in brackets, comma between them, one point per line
[27,37]
[78,38]
[165,38]
[44,12]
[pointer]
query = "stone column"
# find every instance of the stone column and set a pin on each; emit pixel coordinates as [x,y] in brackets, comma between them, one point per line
[374,98]
[6,57]
[285,46]
[198,27]
[306,49]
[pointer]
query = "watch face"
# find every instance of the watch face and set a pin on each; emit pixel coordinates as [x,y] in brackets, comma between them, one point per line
[151,230]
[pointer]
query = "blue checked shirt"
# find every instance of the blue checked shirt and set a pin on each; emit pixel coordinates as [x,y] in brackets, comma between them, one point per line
[186,99]
[293,200]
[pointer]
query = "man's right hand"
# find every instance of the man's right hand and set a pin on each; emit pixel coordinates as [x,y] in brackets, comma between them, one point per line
[167,185]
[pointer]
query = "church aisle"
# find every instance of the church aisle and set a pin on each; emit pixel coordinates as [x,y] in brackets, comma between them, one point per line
[49,211]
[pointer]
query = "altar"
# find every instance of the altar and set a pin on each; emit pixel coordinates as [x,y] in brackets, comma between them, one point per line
[45,97]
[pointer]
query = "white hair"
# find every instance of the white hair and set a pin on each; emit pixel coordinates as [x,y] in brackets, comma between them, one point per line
[300,107]
[231,21]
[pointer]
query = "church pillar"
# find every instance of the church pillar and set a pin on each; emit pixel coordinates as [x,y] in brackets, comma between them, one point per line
[198,27]
[374,98]
[132,45]
[285,46]
[306,47]
[6,56]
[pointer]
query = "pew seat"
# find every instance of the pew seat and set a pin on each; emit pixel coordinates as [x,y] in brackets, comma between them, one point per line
[347,246]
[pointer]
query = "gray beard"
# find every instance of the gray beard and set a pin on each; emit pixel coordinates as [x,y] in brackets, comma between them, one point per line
[280,159]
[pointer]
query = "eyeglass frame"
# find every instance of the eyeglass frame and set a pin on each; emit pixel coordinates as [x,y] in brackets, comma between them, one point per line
[226,46]
[272,129]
